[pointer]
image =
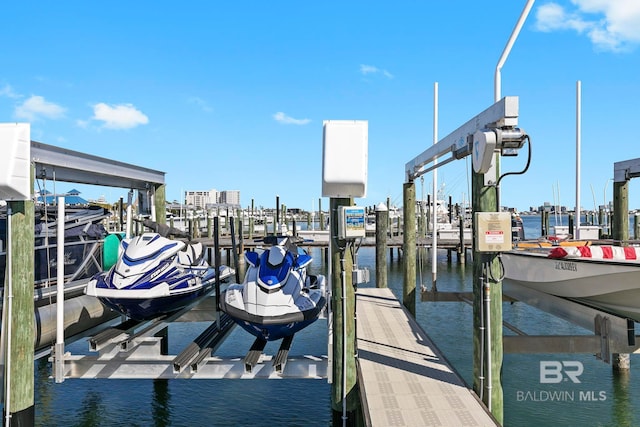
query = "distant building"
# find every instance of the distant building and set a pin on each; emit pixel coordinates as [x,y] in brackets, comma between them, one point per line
[229,197]
[71,198]
[200,199]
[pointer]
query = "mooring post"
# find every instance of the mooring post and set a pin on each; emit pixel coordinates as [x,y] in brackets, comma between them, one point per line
[620,224]
[234,251]
[241,260]
[382,215]
[485,200]
[428,214]
[570,223]
[620,232]
[19,409]
[409,247]
[462,252]
[344,392]
[251,221]
[160,215]
[216,265]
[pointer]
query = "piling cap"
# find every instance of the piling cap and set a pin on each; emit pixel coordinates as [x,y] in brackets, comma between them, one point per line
[381,207]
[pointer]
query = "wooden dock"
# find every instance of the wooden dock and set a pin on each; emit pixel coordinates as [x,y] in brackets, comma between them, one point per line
[404,379]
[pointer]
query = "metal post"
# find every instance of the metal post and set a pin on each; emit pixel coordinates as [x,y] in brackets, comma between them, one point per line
[59,347]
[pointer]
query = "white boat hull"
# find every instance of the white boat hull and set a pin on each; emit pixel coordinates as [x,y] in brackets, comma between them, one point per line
[610,285]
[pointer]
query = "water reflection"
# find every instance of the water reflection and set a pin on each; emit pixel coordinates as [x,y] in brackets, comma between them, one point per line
[161,403]
[93,412]
[622,407]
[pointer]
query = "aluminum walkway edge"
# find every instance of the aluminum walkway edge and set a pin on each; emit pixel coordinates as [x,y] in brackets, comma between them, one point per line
[404,380]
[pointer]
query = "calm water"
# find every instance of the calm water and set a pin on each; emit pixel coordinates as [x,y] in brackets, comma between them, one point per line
[307,402]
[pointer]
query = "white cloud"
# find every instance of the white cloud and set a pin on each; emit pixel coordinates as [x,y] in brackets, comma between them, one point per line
[371,69]
[7,91]
[283,118]
[611,25]
[37,107]
[123,116]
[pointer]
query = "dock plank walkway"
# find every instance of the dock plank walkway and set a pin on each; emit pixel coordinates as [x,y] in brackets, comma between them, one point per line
[404,380]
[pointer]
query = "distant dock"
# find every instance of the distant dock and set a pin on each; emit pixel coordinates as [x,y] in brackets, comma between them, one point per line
[320,238]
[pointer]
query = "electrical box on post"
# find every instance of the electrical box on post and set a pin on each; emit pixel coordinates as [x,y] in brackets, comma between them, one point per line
[493,231]
[344,158]
[15,161]
[351,220]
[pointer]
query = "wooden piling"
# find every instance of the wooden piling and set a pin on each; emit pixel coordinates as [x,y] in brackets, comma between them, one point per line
[462,252]
[382,215]
[409,247]
[251,221]
[570,223]
[344,392]
[241,261]
[620,224]
[19,359]
[160,203]
[485,200]
[620,232]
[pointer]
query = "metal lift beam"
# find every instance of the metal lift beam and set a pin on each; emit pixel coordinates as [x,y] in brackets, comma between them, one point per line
[502,114]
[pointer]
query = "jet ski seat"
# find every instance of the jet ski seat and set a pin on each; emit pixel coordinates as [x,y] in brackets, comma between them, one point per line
[191,254]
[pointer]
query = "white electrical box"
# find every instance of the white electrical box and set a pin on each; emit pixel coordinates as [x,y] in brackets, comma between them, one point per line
[15,162]
[344,158]
[493,231]
[351,220]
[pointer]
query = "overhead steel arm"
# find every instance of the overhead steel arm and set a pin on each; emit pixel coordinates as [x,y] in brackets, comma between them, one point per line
[501,115]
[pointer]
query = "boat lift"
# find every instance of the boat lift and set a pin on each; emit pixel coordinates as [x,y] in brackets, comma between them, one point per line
[133,350]
[610,333]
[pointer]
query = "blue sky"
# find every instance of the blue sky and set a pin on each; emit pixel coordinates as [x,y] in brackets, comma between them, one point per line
[232,95]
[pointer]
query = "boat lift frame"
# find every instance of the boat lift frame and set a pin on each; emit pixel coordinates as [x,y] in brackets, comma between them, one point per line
[130,349]
[611,333]
[501,115]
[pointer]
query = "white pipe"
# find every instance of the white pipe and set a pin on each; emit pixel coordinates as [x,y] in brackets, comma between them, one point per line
[434,234]
[507,49]
[60,273]
[9,292]
[576,234]
[59,347]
